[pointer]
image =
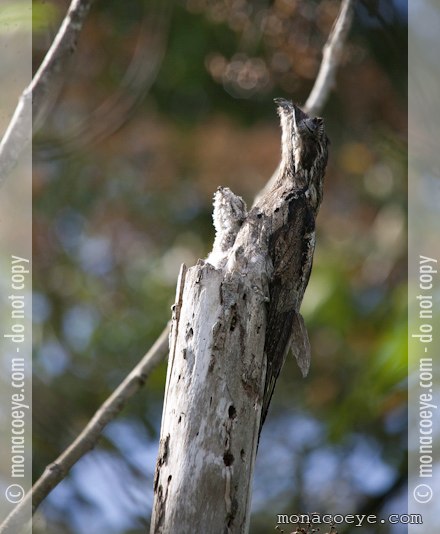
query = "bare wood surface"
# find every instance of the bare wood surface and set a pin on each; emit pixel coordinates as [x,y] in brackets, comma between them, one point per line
[212,404]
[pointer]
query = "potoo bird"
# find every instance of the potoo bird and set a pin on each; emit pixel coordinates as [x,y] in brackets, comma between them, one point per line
[282,222]
[291,201]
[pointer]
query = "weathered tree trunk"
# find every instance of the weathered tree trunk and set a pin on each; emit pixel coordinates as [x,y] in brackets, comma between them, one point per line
[213,397]
[235,318]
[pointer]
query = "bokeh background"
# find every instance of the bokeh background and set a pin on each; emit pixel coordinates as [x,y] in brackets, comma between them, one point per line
[163,102]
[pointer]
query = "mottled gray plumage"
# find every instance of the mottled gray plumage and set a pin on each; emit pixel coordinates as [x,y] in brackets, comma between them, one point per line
[290,205]
[278,236]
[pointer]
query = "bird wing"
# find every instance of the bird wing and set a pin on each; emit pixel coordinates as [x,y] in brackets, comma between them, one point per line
[291,247]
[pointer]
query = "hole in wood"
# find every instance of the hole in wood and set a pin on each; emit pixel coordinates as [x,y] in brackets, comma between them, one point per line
[228,458]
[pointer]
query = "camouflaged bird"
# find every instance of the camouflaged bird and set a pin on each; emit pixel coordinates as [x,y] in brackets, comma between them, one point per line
[292,201]
[282,222]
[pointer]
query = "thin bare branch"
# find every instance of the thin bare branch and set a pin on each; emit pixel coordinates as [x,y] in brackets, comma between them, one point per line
[330,59]
[87,439]
[31,102]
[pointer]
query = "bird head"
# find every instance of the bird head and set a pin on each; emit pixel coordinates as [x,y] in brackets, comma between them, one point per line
[304,141]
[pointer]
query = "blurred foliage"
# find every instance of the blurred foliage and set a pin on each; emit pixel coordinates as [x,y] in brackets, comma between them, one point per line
[162,103]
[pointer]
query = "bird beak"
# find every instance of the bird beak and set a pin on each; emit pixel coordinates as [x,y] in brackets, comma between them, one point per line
[283,104]
[289,109]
